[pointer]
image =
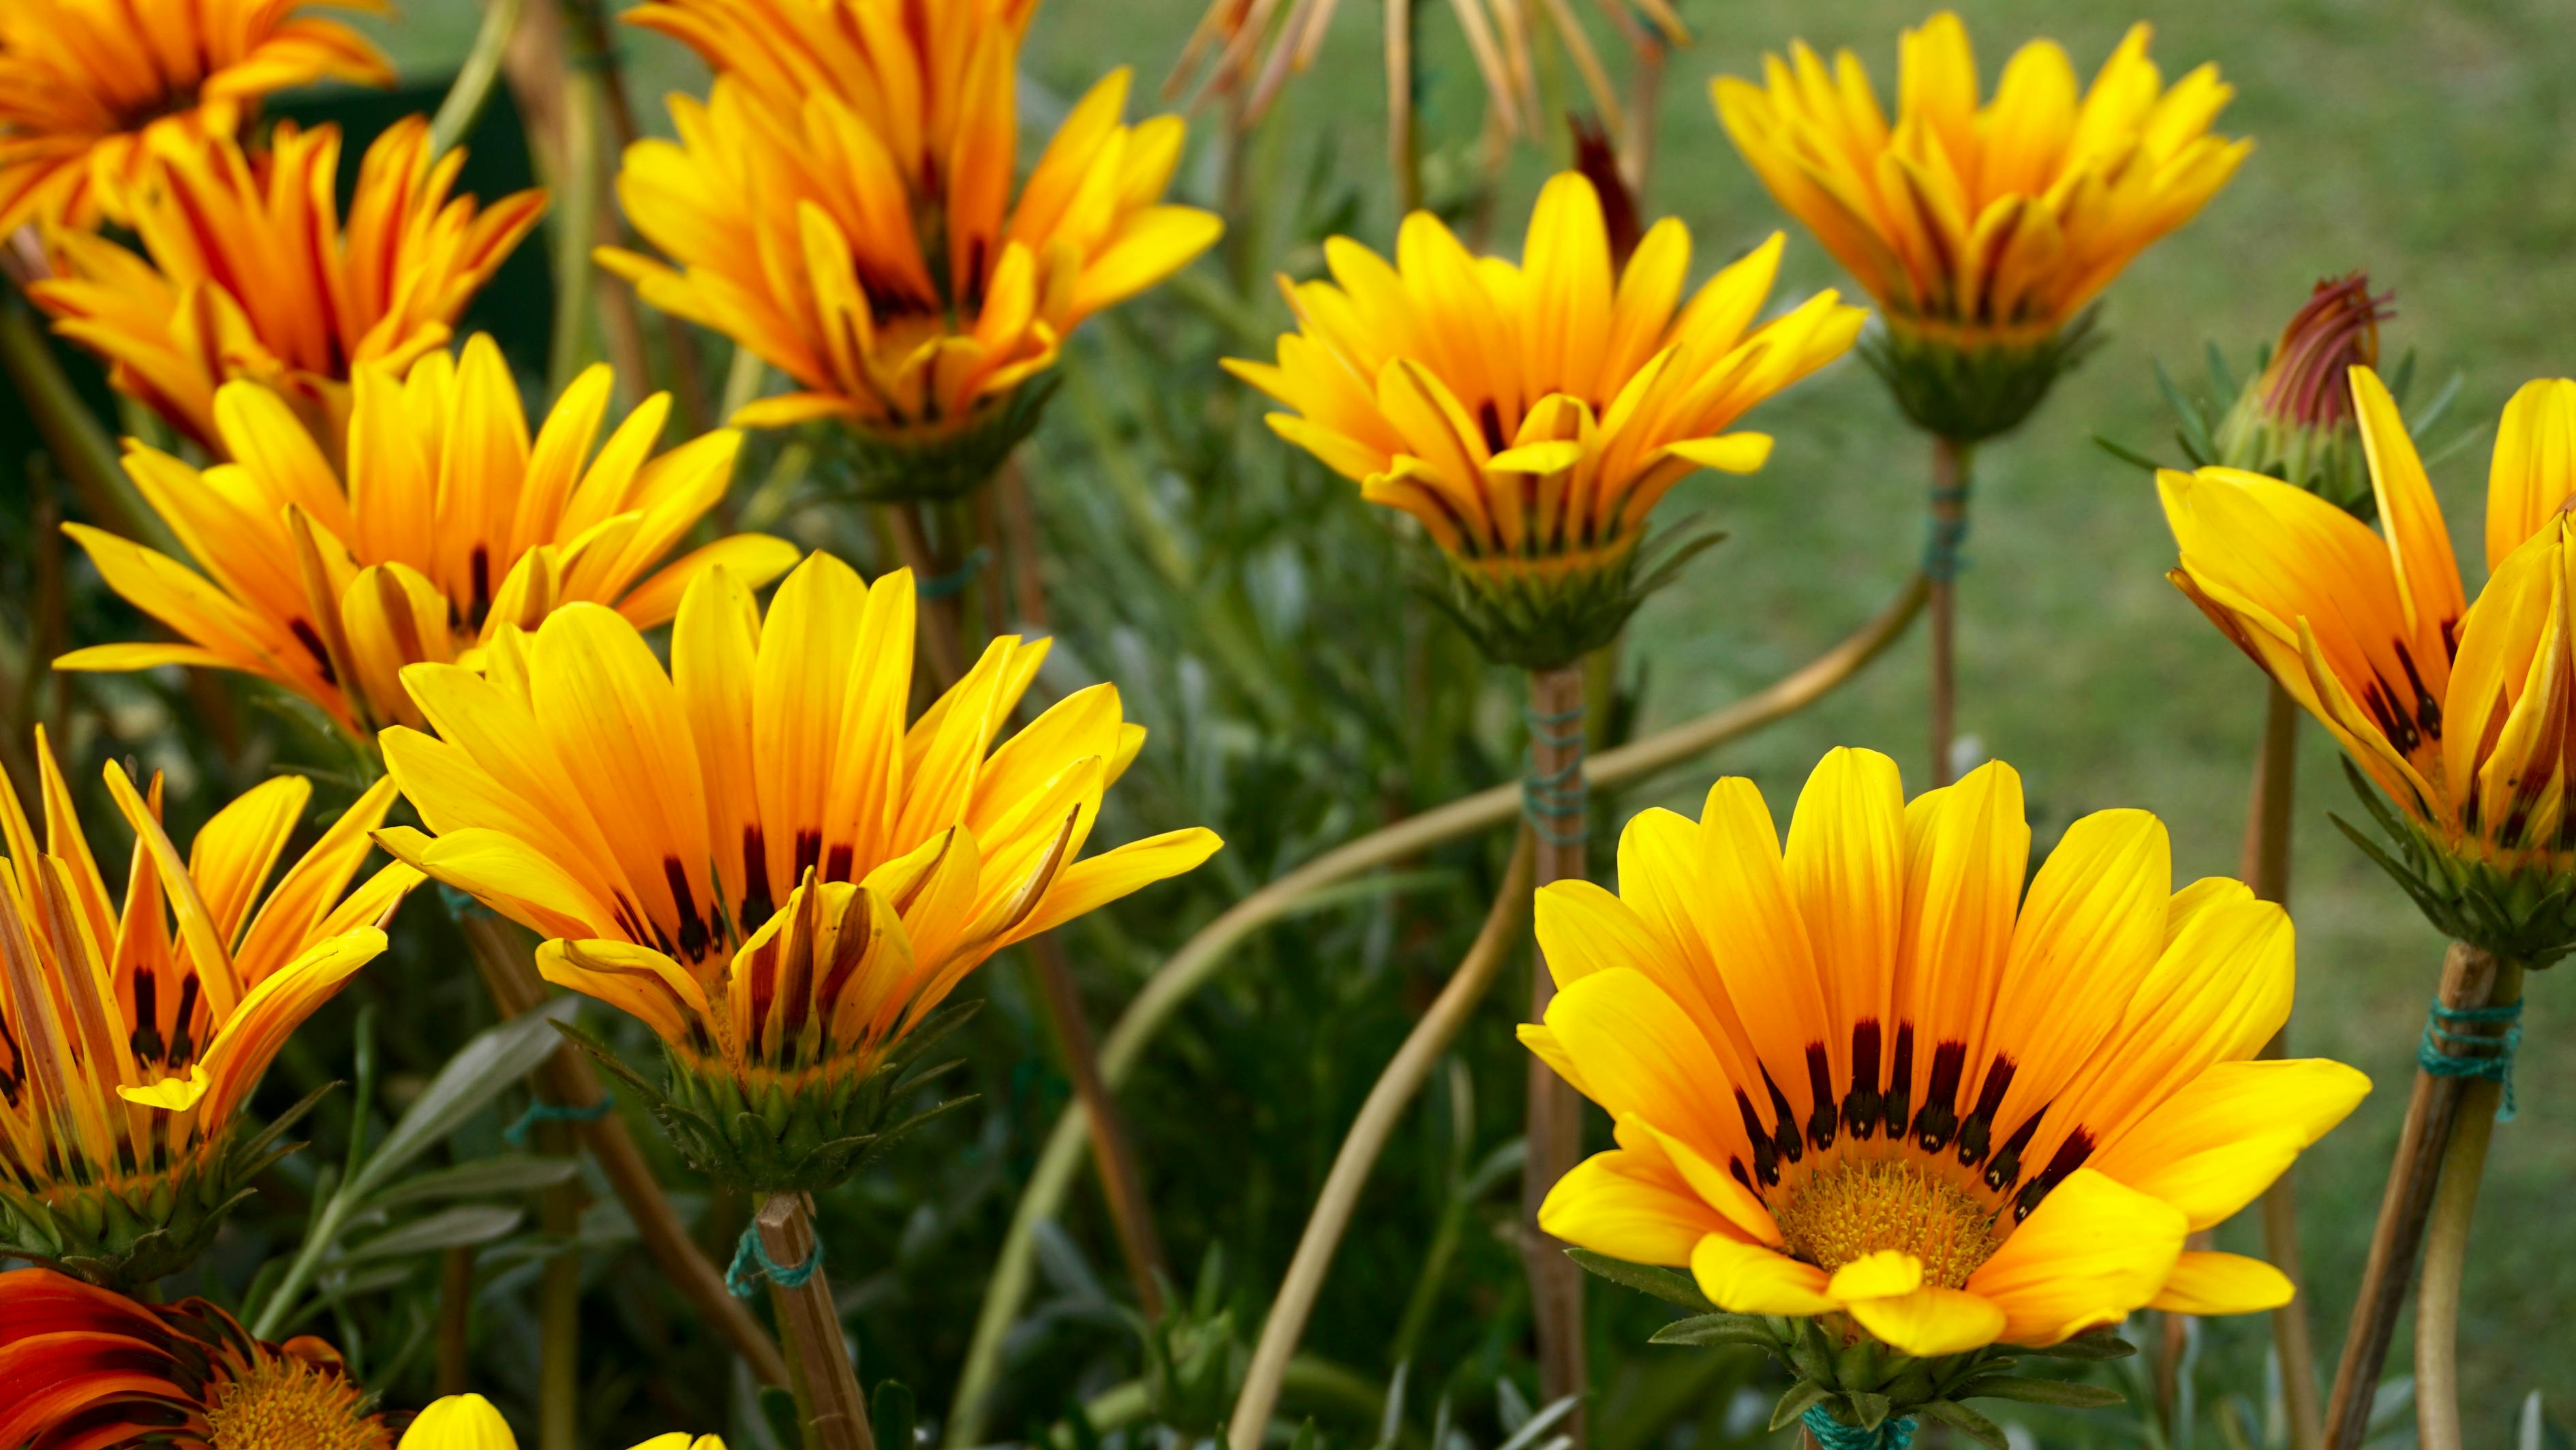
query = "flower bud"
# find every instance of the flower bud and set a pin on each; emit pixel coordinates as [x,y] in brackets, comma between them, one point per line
[2295,421]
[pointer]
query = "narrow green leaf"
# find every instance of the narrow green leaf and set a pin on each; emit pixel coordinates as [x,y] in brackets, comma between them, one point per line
[478,1073]
[487,1178]
[473,1223]
[2097,1344]
[1715,1329]
[1803,1396]
[2064,1393]
[891,1413]
[2125,454]
[1968,1422]
[1664,1284]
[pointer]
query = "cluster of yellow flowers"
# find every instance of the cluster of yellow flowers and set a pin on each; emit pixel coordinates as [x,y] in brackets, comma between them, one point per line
[1882,1072]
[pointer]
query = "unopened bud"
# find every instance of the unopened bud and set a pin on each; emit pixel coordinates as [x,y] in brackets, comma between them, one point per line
[2295,421]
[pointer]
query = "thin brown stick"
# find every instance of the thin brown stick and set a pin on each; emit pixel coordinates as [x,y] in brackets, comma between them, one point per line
[827,1383]
[1404,154]
[1388,1097]
[1113,1150]
[942,653]
[559,1307]
[1949,512]
[2469,978]
[1019,529]
[455,1318]
[1555,1122]
[566,1080]
[2265,867]
[2446,1246]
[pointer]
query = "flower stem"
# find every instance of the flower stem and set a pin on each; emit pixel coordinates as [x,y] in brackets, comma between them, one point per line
[566,1080]
[69,430]
[1378,1116]
[1950,475]
[2470,977]
[455,1318]
[559,1308]
[826,1383]
[941,619]
[1556,816]
[2446,1249]
[472,87]
[1204,955]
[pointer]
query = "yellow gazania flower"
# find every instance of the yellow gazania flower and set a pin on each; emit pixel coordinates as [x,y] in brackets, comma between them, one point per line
[468,1422]
[2460,712]
[1983,224]
[248,271]
[1533,415]
[446,523]
[83,1367]
[130,1049]
[83,83]
[841,206]
[1871,1076]
[751,852]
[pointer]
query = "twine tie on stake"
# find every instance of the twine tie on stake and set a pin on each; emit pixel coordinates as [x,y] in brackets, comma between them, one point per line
[2447,1052]
[954,582]
[1561,794]
[1893,1434]
[545,1112]
[1942,556]
[752,1263]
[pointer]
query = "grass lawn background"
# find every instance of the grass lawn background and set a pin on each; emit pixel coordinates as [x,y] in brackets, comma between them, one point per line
[2428,143]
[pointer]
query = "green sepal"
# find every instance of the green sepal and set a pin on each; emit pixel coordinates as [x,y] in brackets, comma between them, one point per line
[1709,1330]
[814,1137]
[1523,618]
[2066,1394]
[2092,1346]
[1967,1422]
[1972,393]
[934,464]
[2525,916]
[1664,1284]
[1803,1396]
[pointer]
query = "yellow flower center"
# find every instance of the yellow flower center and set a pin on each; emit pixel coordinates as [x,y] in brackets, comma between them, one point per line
[283,1403]
[1858,1207]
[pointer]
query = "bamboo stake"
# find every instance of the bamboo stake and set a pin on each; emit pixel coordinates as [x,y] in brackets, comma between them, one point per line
[1554,813]
[1387,1100]
[566,1080]
[828,1400]
[2446,1247]
[1205,954]
[2469,979]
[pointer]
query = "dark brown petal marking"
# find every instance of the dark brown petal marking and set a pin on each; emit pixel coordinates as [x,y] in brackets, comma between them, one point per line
[2451,637]
[1490,419]
[183,1046]
[836,865]
[479,600]
[1784,1119]
[1736,1167]
[693,928]
[311,638]
[849,950]
[1766,1156]
[2382,700]
[809,852]
[1861,1105]
[2428,711]
[1940,1115]
[146,1037]
[2007,1164]
[1978,1131]
[1820,1091]
[764,990]
[12,1071]
[757,903]
[1900,1082]
[2070,1156]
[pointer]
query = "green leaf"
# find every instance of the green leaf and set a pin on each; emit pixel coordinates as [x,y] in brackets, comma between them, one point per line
[1869,1410]
[1664,1284]
[2220,373]
[1967,1422]
[487,1178]
[478,1073]
[1803,1396]
[2093,1345]
[473,1223]
[891,1413]
[2126,454]
[778,1407]
[1716,1329]
[2064,1393]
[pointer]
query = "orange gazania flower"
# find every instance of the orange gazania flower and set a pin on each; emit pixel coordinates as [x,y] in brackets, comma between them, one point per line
[446,523]
[248,271]
[137,1030]
[2463,712]
[84,82]
[841,205]
[1888,1073]
[752,851]
[84,1368]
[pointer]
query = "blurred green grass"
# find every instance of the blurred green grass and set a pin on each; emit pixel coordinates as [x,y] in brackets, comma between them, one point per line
[2427,143]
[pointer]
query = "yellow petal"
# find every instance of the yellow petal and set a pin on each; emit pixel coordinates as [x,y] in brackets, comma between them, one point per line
[459,1422]
[1882,1275]
[2214,1283]
[1742,1278]
[1616,1204]
[2089,1255]
[1930,1321]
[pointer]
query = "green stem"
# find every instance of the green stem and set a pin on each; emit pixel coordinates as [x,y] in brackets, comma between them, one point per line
[2446,1250]
[576,223]
[70,431]
[474,79]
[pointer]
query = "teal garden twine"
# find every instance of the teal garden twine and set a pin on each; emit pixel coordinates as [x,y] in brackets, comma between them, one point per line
[1891,1434]
[954,582]
[546,1112]
[1942,556]
[2446,1051]
[752,1263]
[1558,798]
